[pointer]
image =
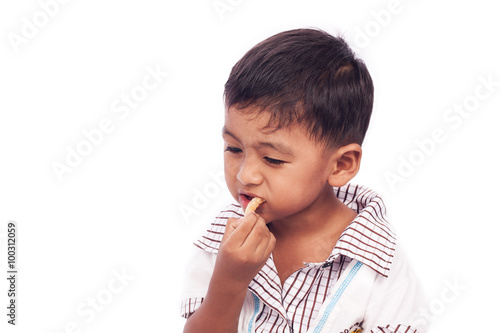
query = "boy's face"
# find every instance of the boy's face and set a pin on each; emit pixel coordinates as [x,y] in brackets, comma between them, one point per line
[285,167]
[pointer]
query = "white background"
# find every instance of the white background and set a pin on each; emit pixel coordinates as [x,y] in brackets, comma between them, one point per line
[119,210]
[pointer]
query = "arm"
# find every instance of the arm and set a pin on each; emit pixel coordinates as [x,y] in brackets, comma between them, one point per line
[245,247]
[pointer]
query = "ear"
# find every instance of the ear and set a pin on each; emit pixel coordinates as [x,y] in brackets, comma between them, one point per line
[345,164]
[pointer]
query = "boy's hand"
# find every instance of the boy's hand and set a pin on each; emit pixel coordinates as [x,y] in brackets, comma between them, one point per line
[246,245]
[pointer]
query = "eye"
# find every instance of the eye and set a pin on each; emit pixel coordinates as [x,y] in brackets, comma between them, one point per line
[273,161]
[233,150]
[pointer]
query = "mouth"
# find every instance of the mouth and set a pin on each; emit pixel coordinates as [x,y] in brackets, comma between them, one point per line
[245,198]
[248,197]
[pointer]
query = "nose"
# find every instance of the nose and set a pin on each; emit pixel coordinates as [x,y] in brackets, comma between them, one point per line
[249,173]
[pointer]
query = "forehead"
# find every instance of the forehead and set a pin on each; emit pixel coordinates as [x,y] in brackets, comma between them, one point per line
[250,122]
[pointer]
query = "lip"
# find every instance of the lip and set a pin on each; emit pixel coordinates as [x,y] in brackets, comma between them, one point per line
[246,197]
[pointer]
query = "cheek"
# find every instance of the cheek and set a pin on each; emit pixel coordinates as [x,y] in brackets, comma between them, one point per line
[302,185]
[290,195]
[298,196]
[230,171]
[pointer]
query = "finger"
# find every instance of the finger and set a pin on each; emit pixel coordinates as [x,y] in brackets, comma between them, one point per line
[244,228]
[266,246]
[270,245]
[231,225]
[259,232]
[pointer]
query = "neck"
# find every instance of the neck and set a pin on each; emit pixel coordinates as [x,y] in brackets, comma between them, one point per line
[326,217]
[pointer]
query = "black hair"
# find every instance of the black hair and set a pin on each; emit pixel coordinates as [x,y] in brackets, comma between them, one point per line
[306,77]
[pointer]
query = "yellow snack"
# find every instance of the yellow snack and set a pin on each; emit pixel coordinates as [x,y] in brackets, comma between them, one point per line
[253,204]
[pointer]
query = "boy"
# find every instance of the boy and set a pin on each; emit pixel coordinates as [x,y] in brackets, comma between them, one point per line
[318,255]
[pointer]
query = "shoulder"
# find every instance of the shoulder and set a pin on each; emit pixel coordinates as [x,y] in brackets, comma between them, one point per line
[212,238]
[401,275]
[396,299]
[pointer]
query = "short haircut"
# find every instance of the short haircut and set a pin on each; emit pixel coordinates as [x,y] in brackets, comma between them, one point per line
[305,77]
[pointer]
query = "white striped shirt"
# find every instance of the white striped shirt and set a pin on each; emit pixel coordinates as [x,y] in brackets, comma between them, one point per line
[293,307]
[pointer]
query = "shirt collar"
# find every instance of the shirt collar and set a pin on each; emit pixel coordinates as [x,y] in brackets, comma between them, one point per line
[369,238]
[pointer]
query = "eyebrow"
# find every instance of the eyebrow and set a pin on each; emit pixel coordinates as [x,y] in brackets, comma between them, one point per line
[226,132]
[278,147]
[273,145]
